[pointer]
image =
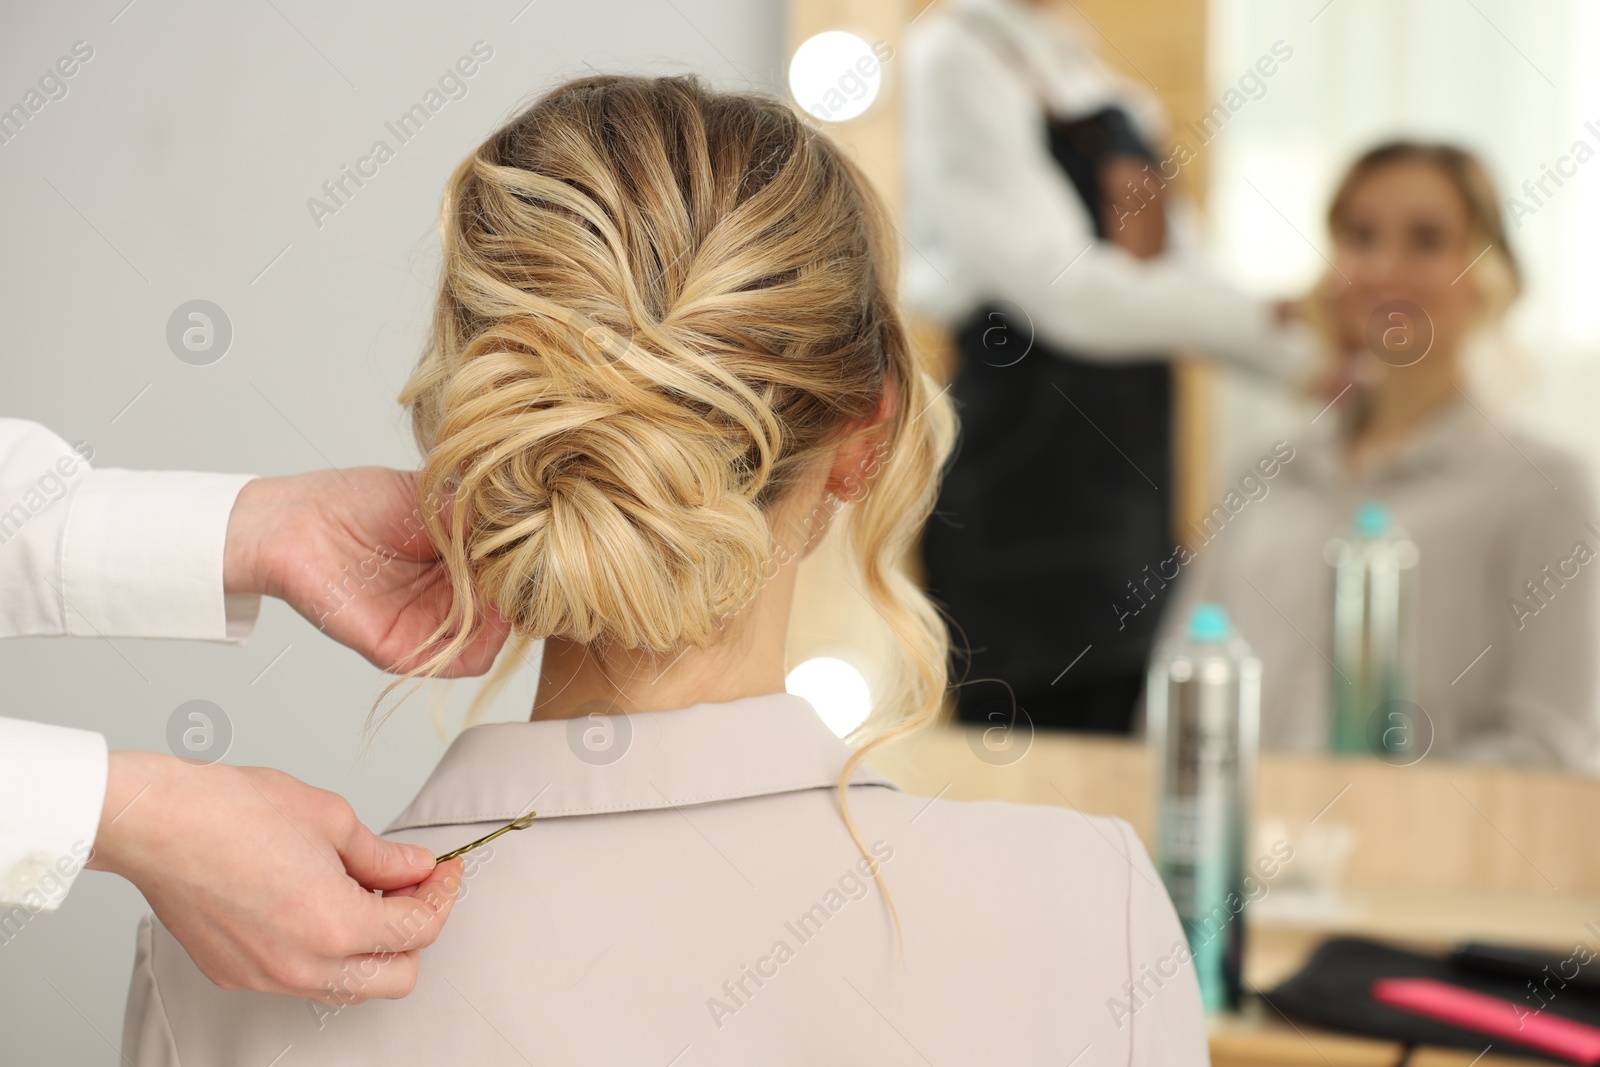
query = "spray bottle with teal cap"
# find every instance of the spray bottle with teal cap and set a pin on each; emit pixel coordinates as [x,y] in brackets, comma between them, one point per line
[1203,707]
[1374,599]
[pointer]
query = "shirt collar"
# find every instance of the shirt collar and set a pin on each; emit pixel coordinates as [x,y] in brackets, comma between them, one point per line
[1458,435]
[754,746]
[1455,437]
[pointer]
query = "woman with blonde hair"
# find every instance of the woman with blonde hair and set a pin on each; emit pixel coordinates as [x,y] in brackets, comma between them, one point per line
[666,352]
[1505,623]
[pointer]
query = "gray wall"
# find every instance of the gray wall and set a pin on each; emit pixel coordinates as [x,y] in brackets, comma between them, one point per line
[177,167]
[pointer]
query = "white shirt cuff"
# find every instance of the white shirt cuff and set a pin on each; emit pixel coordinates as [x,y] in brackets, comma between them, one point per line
[52,790]
[1296,355]
[144,554]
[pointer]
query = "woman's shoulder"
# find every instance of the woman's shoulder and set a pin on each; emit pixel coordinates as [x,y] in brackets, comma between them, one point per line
[1554,462]
[1535,483]
[1063,896]
[1029,848]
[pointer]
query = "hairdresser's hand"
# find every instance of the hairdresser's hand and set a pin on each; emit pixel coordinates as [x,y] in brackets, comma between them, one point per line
[348,550]
[261,877]
[1349,379]
[1286,312]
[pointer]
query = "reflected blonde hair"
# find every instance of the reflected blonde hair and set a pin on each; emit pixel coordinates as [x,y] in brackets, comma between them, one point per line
[660,306]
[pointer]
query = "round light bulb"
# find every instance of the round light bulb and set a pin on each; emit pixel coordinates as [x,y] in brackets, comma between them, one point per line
[835,76]
[835,688]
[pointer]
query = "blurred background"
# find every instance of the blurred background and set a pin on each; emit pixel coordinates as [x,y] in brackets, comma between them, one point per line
[1200,360]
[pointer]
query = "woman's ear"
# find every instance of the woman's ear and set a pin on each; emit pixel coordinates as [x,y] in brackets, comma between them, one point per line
[864,449]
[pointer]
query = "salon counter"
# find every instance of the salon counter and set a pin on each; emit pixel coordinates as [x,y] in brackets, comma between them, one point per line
[1432,854]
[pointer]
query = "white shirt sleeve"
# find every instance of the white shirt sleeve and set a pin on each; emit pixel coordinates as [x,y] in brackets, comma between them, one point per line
[991,216]
[87,553]
[52,787]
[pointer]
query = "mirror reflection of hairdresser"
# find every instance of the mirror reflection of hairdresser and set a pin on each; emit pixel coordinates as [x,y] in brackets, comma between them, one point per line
[1040,225]
[1508,603]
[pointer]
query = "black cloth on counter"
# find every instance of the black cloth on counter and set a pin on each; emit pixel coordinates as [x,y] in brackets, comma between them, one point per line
[1334,991]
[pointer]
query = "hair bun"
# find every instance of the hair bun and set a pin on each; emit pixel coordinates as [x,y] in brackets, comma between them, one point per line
[591,519]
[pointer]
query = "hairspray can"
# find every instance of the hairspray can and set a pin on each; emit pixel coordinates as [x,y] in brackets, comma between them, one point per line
[1203,702]
[1374,597]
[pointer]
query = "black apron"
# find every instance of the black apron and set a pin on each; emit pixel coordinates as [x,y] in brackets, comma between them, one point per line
[1058,497]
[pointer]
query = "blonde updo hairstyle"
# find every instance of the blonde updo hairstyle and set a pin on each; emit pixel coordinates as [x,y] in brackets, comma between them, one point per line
[661,305]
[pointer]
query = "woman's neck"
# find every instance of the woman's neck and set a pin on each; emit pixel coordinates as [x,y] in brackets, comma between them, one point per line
[1405,403]
[576,679]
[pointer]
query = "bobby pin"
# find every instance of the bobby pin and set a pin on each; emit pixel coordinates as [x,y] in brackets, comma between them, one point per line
[520,824]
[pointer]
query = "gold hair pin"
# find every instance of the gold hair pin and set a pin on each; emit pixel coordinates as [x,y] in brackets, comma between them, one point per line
[520,824]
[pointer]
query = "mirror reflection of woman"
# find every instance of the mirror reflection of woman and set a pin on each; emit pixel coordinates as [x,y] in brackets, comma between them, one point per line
[1505,648]
[1049,238]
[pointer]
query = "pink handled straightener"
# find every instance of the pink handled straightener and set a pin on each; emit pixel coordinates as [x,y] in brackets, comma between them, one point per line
[1491,1016]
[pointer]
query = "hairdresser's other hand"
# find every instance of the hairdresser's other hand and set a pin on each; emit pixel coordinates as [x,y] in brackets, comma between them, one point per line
[348,550]
[267,881]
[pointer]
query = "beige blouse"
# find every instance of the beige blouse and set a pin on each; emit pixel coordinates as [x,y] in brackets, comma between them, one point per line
[1489,510]
[689,895]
